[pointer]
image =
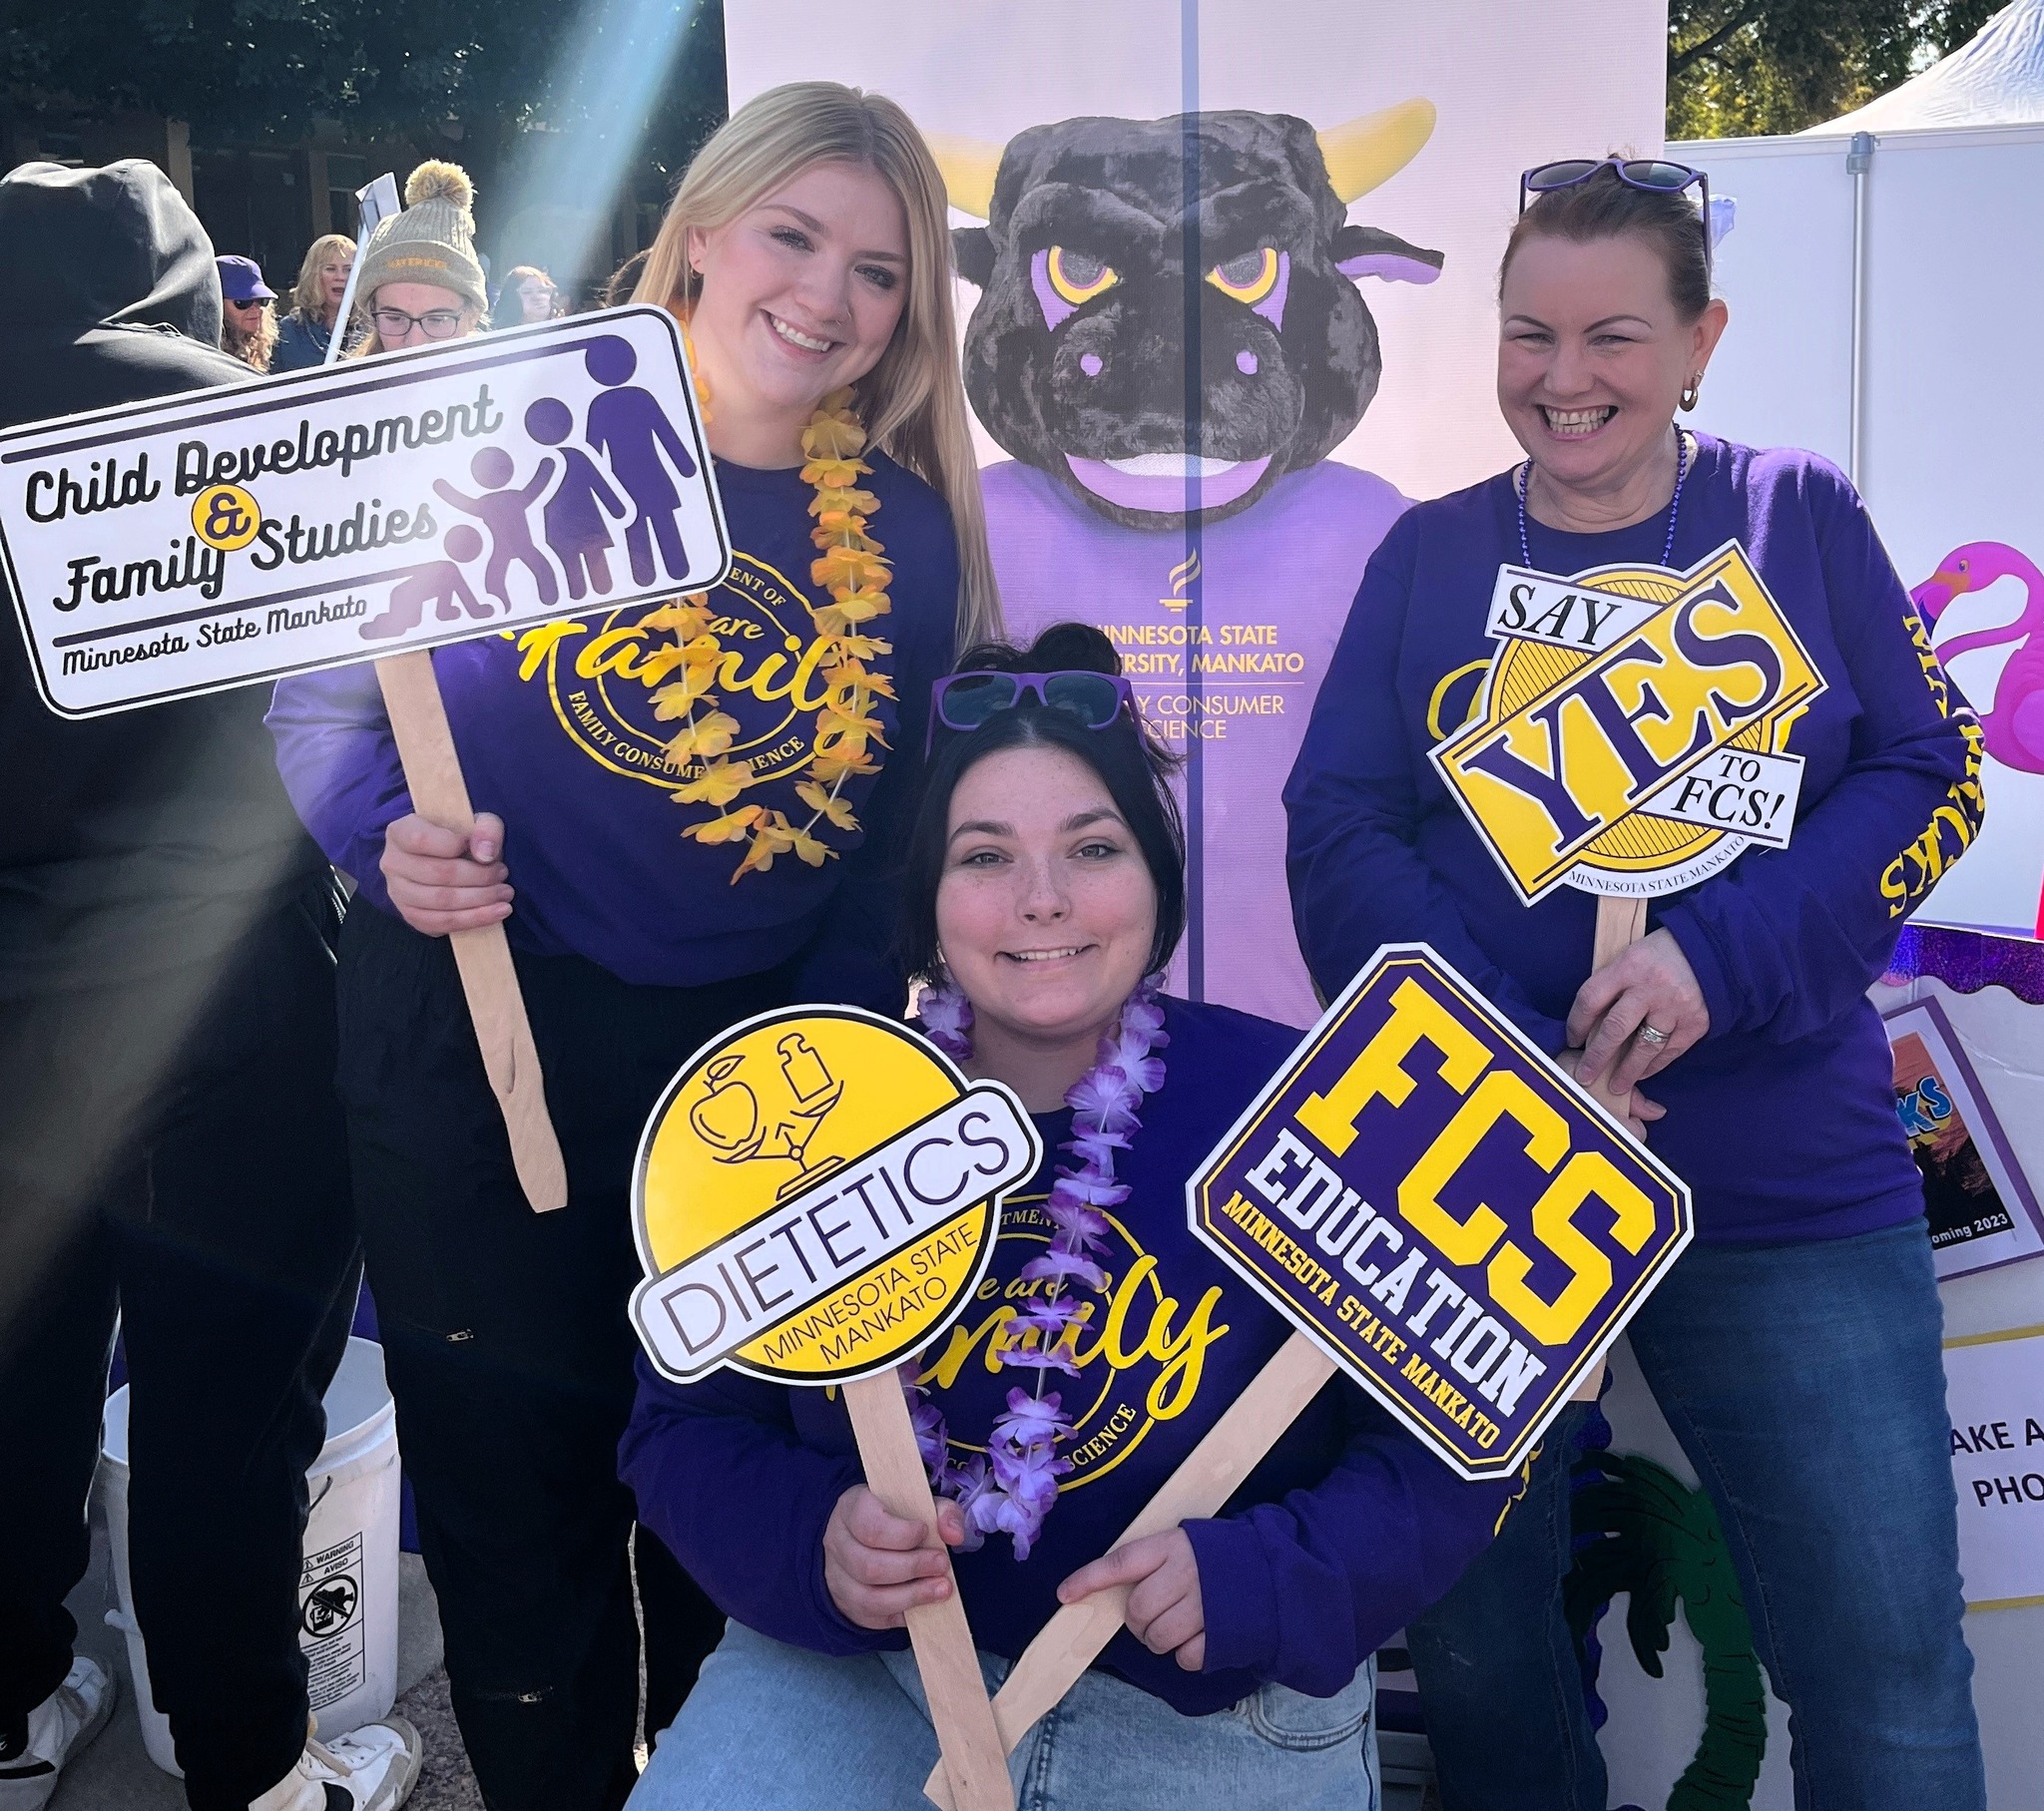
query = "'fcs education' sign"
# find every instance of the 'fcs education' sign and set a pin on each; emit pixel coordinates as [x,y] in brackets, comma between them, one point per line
[228,536]
[1430,1200]
[817,1197]
[1629,736]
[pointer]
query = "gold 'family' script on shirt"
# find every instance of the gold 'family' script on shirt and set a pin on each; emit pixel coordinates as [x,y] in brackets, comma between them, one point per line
[1140,1353]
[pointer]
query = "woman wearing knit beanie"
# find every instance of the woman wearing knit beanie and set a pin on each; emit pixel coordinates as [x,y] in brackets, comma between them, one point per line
[420,280]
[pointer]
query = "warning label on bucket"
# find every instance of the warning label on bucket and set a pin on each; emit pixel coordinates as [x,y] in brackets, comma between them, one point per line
[332,1628]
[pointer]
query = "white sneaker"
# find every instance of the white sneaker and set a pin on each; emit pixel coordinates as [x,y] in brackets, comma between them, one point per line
[373,1768]
[58,1729]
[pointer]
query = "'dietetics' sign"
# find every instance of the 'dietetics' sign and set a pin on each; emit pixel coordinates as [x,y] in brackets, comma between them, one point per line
[228,536]
[815,1198]
[1629,736]
[1442,1210]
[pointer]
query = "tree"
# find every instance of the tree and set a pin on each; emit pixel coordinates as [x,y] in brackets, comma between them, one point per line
[1737,67]
[256,68]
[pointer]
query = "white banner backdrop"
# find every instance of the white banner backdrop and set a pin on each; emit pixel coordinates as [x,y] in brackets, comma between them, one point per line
[1949,389]
[1370,151]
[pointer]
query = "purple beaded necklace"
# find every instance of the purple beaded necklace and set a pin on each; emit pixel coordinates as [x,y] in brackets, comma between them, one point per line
[1683,448]
[1015,1485]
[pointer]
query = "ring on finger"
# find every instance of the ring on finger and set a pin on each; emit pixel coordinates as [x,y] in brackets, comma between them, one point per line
[1648,1035]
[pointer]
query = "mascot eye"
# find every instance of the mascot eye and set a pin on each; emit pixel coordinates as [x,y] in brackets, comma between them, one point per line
[1077,277]
[1248,279]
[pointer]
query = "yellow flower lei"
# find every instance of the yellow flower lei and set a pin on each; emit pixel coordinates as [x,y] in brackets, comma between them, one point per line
[854,571]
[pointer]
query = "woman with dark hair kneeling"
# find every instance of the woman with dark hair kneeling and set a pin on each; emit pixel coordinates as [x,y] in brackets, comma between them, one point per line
[1045,884]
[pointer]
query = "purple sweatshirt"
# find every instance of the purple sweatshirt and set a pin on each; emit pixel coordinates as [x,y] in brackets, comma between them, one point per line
[557,735]
[1347,1528]
[1275,584]
[1782,1121]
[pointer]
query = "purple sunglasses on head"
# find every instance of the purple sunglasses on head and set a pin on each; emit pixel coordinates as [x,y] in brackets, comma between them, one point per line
[1657,176]
[964,701]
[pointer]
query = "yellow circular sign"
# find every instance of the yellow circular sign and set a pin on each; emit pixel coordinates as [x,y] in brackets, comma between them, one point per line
[815,1198]
[225,516]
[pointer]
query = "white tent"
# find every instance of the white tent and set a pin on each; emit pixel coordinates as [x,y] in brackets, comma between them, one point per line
[1884,299]
[1995,79]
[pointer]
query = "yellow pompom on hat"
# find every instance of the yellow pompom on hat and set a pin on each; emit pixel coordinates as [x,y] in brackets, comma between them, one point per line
[432,241]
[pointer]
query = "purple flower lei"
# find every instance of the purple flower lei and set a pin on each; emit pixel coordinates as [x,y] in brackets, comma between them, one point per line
[1013,1486]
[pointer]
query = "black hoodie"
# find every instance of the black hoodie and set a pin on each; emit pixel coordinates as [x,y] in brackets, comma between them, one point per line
[133,843]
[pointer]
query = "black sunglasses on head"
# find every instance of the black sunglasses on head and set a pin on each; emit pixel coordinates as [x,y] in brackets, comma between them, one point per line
[1656,175]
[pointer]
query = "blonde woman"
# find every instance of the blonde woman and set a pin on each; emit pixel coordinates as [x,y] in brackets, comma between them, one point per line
[653,895]
[304,332]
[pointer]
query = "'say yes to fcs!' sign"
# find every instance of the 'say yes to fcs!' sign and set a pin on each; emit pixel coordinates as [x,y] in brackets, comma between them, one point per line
[1430,1200]
[1629,736]
[817,1197]
[427,496]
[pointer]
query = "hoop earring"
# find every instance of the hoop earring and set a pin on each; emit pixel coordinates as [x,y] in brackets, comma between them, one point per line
[1693,392]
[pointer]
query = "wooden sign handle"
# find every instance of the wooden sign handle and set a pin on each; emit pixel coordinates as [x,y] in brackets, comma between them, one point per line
[1072,1640]
[974,1767]
[1620,924]
[433,771]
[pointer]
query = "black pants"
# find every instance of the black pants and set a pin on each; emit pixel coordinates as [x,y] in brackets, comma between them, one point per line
[178,1148]
[510,1353]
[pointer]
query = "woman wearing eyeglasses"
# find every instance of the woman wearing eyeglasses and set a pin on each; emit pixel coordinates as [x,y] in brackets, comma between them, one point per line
[1794,1348]
[688,810]
[1044,894]
[420,280]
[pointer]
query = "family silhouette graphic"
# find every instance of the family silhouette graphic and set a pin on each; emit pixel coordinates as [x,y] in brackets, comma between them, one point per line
[573,520]
[438,582]
[501,510]
[630,428]
[645,455]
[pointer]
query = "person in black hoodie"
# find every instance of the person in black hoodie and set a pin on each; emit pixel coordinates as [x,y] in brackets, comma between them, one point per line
[171,1146]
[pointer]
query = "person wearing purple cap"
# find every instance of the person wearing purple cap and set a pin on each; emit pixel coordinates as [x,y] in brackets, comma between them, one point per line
[248,323]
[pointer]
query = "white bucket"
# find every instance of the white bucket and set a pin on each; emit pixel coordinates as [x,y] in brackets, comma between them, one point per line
[347,1592]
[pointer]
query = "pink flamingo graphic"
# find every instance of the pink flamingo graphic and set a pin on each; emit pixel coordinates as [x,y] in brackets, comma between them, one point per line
[2014,729]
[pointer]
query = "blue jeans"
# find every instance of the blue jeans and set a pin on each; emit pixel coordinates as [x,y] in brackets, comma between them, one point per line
[1807,1385]
[770,1727]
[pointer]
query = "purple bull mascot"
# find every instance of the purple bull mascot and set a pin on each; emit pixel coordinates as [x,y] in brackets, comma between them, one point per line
[1201,523]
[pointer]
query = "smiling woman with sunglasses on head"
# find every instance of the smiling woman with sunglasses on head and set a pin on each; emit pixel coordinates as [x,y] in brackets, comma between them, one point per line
[688,810]
[1794,1348]
[1045,894]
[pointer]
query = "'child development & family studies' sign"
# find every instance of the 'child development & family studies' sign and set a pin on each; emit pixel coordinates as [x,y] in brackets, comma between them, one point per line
[228,535]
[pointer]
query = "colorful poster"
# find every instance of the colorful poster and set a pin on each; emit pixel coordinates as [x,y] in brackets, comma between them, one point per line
[1228,279]
[1442,1210]
[1980,1207]
[165,549]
